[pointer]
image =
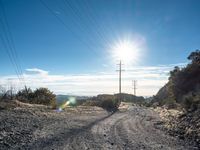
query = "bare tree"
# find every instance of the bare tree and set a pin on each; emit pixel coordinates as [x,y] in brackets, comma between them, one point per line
[3,92]
[7,93]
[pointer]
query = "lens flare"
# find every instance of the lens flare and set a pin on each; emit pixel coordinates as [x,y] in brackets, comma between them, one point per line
[71,101]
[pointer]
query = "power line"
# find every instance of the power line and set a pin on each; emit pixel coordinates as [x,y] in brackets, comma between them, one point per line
[94,15]
[77,15]
[9,45]
[9,55]
[77,10]
[90,16]
[81,19]
[66,25]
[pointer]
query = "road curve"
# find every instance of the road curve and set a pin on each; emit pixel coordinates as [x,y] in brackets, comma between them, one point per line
[132,129]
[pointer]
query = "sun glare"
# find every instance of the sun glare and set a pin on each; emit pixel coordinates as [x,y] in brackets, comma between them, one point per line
[126,51]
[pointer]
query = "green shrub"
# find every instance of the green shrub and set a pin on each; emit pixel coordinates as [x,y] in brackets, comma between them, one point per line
[110,104]
[170,103]
[183,85]
[40,96]
[191,101]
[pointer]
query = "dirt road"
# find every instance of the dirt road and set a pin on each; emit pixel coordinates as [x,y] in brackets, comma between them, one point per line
[131,129]
[93,128]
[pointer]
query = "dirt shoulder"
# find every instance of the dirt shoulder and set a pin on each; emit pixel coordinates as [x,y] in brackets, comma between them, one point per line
[30,126]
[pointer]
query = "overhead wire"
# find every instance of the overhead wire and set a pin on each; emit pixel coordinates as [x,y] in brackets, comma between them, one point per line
[100,29]
[94,15]
[67,26]
[6,48]
[76,8]
[9,45]
[76,19]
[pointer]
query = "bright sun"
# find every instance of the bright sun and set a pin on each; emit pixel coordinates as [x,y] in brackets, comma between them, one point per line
[126,51]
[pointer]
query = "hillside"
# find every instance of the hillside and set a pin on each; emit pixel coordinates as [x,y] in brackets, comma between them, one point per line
[183,91]
[183,86]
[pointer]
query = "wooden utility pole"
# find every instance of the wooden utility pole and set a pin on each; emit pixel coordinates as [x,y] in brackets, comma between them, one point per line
[120,78]
[134,86]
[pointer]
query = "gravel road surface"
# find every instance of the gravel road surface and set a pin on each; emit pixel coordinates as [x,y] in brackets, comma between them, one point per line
[85,128]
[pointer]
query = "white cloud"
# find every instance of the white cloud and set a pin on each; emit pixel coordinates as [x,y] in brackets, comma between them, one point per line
[37,71]
[149,80]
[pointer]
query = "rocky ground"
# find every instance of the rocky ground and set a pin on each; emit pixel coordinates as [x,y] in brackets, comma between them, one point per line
[183,125]
[25,126]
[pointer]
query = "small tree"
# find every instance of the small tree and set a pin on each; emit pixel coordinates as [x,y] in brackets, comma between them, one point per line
[2,92]
[39,96]
[25,95]
[44,96]
[195,57]
[7,94]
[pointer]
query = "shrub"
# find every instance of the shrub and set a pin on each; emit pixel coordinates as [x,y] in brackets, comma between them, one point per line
[183,85]
[110,104]
[43,96]
[170,103]
[191,101]
[39,96]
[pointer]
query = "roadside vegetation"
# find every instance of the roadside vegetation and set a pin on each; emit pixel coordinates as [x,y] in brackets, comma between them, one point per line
[44,96]
[183,87]
[39,96]
[182,93]
[111,102]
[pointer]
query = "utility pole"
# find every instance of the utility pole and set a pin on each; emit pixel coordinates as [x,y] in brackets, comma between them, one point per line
[134,86]
[120,78]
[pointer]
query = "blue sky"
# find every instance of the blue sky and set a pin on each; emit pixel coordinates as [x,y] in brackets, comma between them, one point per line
[166,30]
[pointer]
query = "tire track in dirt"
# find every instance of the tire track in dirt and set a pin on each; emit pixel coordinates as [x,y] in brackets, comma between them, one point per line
[134,129]
[128,130]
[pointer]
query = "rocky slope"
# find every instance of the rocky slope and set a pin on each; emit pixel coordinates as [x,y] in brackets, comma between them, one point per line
[183,125]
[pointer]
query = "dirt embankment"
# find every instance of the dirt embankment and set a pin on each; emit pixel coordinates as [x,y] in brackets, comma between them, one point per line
[38,127]
[185,126]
